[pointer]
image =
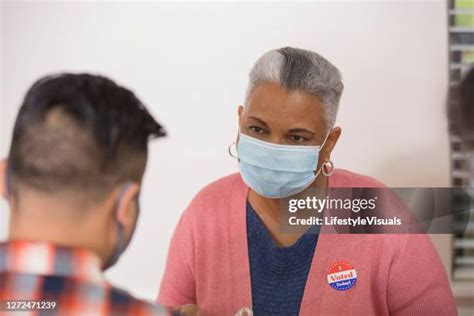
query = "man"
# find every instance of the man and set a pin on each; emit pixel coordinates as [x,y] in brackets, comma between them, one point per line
[461,110]
[466,95]
[466,122]
[72,179]
[461,123]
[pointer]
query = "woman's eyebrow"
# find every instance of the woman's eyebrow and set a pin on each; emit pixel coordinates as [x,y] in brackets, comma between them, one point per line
[258,120]
[301,130]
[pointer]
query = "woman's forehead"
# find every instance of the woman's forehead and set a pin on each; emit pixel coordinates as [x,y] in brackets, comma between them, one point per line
[272,103]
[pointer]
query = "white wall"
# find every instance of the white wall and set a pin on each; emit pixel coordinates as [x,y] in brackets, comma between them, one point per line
[189,64]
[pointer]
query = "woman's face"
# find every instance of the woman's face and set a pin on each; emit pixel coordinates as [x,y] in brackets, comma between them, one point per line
[276,115]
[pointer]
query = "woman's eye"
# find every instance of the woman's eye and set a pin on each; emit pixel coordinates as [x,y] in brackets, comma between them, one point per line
[257,130]
[296,139]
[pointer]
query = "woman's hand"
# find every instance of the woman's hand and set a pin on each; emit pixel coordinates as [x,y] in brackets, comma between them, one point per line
[187,310]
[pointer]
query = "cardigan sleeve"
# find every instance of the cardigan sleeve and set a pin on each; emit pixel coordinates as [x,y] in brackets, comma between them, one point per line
[178,283]
[417,282]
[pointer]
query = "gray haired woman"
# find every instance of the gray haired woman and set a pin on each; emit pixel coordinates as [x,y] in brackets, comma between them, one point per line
[229,254]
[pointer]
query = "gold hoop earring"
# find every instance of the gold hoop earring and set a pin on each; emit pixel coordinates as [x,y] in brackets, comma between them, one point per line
[229,150]
[327,168]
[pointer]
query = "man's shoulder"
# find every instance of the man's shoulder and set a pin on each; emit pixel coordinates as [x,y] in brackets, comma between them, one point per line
[74,296]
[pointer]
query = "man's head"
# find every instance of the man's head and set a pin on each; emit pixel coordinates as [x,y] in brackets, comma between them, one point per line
[461,109]
[77,156]
[466,107]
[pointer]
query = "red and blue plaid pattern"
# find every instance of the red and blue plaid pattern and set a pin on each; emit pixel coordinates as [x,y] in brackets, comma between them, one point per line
[39,271]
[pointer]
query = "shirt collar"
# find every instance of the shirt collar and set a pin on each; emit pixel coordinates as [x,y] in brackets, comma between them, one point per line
[43,258]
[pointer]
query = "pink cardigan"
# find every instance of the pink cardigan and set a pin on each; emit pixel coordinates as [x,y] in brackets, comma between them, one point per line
[208,262]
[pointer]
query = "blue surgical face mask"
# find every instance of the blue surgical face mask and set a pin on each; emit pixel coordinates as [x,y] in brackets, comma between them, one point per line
[276,171]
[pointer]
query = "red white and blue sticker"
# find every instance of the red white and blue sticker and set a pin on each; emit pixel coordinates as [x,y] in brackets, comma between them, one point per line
[342,276]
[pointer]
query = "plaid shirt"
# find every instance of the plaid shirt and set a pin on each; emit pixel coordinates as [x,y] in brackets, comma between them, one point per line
[72,278]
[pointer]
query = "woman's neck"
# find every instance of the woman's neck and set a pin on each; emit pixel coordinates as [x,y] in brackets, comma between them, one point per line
[271,207]
[269,211]
[264,206]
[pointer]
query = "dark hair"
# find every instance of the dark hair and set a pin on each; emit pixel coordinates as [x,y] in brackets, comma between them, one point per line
[461,108]
[80,132]
[466,98]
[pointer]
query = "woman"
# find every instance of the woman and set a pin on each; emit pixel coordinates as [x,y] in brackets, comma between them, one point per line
[228,255]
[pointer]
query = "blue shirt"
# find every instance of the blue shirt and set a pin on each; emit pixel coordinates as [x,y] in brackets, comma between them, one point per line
[278,274]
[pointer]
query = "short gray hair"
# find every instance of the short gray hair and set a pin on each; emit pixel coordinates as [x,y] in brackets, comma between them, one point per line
[299,69]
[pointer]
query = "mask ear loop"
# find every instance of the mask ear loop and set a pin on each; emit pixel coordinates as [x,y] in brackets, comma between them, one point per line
[324,164]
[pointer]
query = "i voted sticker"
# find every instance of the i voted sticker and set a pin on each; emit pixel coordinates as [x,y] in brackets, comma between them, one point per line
[342,276]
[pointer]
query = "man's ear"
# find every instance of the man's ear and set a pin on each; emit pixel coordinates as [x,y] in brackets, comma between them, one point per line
[331,141]
[126,208]
[4,178]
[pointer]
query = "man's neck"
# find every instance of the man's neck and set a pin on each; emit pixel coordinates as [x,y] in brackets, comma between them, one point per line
[56,227]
